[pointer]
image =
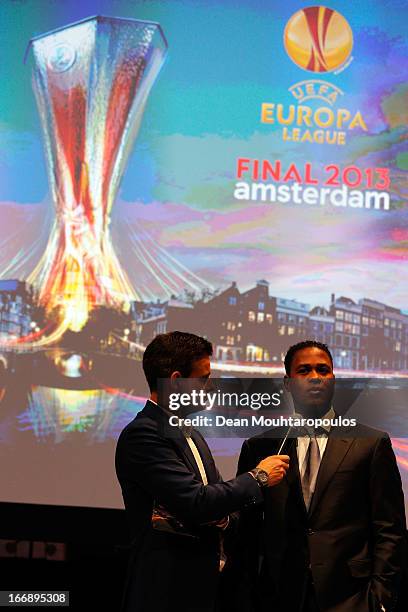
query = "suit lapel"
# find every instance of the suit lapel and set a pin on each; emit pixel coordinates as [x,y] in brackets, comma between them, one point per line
[174,434]
[181,443]
[293,474]
[205,455]
[335,452]
[276,498]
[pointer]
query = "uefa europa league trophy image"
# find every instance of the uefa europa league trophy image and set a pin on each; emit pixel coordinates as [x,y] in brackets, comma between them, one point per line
[91,81]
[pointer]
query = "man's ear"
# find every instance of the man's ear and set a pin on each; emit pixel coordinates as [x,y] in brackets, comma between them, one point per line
[286,382]
[173,379]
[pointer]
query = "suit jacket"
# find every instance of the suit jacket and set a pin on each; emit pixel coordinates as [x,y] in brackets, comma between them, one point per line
[176,569]
[350,542]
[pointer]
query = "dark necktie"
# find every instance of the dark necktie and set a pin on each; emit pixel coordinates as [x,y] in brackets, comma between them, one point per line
[311,468]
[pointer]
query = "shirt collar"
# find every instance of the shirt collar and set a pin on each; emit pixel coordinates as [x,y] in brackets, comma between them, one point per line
[185,429]
[330,414]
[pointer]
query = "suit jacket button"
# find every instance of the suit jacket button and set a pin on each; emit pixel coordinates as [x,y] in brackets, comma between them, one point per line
[310,532]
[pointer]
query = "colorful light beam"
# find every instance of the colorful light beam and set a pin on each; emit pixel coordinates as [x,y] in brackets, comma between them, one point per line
[91,80]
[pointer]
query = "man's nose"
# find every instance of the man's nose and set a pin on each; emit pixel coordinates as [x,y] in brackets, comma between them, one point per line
[314,376]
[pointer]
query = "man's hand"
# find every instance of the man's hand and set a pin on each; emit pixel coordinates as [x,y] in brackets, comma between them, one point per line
[276,467]
[222,523]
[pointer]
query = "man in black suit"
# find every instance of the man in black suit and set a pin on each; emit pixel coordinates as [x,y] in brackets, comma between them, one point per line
[176,501]
[330,536]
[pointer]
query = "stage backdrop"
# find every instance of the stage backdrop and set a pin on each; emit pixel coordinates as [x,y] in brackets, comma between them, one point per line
[232,168]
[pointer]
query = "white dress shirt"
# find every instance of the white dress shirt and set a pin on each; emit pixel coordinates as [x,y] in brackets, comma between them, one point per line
[197,458]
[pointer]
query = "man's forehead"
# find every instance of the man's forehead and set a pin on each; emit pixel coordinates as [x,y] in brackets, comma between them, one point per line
[312,355]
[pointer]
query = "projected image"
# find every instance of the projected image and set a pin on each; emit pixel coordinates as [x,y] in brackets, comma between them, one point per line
[72,365]
[254,194]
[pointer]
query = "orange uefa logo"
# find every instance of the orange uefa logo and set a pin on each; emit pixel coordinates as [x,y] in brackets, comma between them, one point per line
[318,39]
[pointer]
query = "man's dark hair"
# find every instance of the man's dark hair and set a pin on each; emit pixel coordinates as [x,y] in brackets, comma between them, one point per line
[302,345]
[172,352]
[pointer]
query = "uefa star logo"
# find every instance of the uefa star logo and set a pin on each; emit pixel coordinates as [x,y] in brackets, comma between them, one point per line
[62,57]
[318,39]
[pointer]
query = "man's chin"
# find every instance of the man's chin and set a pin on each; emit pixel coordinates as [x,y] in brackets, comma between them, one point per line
[314,410]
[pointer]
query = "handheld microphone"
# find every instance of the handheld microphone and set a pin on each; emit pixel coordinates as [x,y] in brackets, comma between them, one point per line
[284,440]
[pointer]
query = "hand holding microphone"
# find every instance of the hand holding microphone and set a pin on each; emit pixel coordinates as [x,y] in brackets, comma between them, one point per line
[271,470]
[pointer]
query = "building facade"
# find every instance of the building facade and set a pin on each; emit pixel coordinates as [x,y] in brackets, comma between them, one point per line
[256,327]
[16,310]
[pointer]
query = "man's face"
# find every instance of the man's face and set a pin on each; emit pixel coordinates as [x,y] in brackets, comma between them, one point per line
[196,381]
[201,368]
[311,382]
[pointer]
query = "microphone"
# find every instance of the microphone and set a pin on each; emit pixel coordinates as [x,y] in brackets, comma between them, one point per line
[284,440]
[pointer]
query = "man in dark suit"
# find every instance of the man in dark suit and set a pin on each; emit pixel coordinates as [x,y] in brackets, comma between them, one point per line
[176,501]
[330,536]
